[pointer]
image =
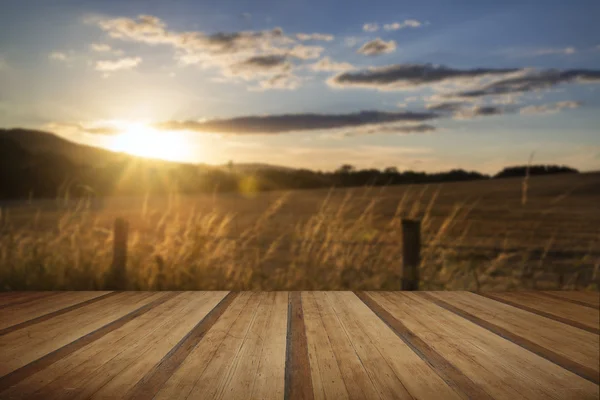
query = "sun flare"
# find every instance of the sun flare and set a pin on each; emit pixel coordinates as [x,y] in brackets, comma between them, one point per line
[144,141]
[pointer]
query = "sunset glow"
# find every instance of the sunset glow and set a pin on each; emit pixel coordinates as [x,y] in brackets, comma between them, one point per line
[142,140]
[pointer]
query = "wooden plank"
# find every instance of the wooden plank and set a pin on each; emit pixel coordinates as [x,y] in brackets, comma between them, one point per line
[579,354]
[501,368]
[9,299]
[585,298]
[20,379]
[114,370]
[182,381]
[212,363]
[241,381]
[567,313]
[392,369]
[298,383]
[270,378]
[23,346]
[154,379]
[30,313]
[457,380]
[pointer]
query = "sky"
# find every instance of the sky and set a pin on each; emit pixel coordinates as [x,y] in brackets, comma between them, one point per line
[429,85]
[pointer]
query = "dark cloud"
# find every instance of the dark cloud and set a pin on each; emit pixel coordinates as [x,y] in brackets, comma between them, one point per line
[377,47]
[531,81]
[407,76]
[447,106]
[274,124]
[478,111]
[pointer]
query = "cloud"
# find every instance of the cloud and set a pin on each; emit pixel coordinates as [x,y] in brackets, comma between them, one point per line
[549,108]
[285,123]
[371,27]
[261,65]
[78,128]
[326,64]
[391,129]
[377,47]
[314,36]
[409,76]
[478,111]
[407,23]
[531,80]
[225,51]
[58,56]
[283,81]
[305,52]
[564,51]
[118,65]
[447,106]
[101,48]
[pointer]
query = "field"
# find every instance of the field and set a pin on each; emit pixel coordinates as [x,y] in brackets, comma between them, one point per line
[541,233]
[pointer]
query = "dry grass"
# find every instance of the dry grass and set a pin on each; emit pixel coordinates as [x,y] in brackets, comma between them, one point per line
[478,235]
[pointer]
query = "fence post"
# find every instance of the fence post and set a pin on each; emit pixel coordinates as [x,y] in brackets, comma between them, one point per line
[411,254]
[118,271]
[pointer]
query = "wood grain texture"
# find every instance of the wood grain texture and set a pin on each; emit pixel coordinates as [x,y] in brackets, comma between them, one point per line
[297,345]
[20,380]
[113,372]
[580,354]
[208,313]
[248,330]
[26,345]
[501,368]
[458,381]
[9,299]
[587,299]
[567,313]
[298,383]
[30,313]
[360,339]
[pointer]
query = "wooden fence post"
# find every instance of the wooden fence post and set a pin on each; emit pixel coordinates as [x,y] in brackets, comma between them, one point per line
[411,254]
[118,280]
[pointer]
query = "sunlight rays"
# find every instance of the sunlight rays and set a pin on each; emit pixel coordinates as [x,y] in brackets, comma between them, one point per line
[142,140]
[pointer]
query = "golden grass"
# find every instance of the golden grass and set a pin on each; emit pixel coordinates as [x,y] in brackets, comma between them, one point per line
[346,243]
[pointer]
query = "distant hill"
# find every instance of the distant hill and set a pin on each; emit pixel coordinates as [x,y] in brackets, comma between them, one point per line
[36,164]
[38,142]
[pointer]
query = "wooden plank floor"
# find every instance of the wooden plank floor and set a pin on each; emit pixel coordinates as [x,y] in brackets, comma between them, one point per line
[299,345]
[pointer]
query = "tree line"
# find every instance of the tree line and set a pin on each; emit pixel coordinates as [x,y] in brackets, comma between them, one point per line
[50,175]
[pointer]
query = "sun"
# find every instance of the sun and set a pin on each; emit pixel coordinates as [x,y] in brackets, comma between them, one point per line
[142,140]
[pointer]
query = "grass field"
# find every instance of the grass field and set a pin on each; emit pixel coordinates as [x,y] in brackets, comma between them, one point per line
[500,234]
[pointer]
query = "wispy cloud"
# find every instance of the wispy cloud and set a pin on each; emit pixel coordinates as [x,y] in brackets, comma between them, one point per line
[100,47]
[549,108]
[371,27]
[478,111]
[377,47]
[223,50]
[407,23]
[286,123]
[315,36]
[563,51]
[58,56]
[409,76]
[118,65]
[447,106]
[531,80]
[328,65]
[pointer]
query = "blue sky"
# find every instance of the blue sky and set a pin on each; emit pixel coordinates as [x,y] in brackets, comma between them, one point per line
[449,84]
